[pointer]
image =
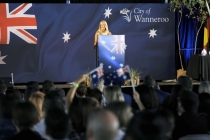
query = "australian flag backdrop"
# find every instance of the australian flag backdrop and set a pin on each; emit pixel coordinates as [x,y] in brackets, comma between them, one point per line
[55,41]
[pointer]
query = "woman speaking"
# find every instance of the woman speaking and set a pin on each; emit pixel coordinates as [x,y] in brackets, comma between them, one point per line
[102,30]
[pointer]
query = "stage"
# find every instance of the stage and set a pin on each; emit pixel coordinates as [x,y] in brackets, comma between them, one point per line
[166,85]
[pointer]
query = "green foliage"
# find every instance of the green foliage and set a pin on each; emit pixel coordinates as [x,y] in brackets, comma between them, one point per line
[196,8]
[135,73]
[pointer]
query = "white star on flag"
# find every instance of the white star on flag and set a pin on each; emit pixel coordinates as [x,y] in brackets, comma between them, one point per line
[109,67]
[113,58]
[101,64]
[66,37]
[110,74]
[121,65]
[1,58]
[152,33]
[124,77]
[114,76]
[94,76]
[125,46]
[103,42]
[107,12]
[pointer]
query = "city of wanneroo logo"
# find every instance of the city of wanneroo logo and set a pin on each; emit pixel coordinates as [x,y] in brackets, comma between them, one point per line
[141,15]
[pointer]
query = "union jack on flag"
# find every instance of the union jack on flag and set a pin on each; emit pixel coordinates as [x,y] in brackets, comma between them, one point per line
[119,44]
[96,74]
[122,71]
[16,22]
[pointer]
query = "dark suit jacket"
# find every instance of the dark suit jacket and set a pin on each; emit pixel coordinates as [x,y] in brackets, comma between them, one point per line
[27,135]
[2,95]
[191,123]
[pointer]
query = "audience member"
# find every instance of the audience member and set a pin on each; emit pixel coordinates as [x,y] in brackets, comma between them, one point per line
[61,92]
[37,98]
[100,86]
[78,113]
[47,86]
[17,93]
[7,104]
[29,91]
[147,97]
[150,125]
[123,112]
[186,81]
[53,99]
[81,90]
[127,98]
[171,101]
[25,116]
[113,93]
[32,84]
[190,122]
[102,125]
[161,95]
[97,94]
[72,91]
[57,124]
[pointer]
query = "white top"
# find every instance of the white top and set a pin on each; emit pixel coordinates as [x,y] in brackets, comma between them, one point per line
[40,128]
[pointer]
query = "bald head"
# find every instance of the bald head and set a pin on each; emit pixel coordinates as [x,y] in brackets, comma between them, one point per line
[102,125]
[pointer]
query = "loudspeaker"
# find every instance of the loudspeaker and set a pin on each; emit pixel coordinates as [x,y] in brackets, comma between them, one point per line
[8,81]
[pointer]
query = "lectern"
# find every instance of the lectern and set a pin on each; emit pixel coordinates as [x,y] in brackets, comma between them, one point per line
[111,52]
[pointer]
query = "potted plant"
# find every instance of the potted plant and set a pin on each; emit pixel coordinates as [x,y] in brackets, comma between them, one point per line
[135,76]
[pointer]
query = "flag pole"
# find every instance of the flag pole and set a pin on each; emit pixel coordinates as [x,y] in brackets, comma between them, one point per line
[132,85]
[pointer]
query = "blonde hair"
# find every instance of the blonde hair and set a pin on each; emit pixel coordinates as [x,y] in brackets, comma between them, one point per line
[37,98]
[106,27]
[113,93]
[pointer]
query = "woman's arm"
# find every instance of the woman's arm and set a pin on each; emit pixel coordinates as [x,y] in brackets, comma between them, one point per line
[72,91]
[137,99]
[96,38]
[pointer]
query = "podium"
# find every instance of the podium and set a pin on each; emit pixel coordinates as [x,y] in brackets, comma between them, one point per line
[111,52]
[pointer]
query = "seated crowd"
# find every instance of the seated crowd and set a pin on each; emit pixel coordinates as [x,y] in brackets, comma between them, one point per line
[105,112]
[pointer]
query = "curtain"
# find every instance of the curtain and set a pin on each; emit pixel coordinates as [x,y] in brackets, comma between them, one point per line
[188,30]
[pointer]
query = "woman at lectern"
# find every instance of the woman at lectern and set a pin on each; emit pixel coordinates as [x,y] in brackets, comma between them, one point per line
[102,30]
